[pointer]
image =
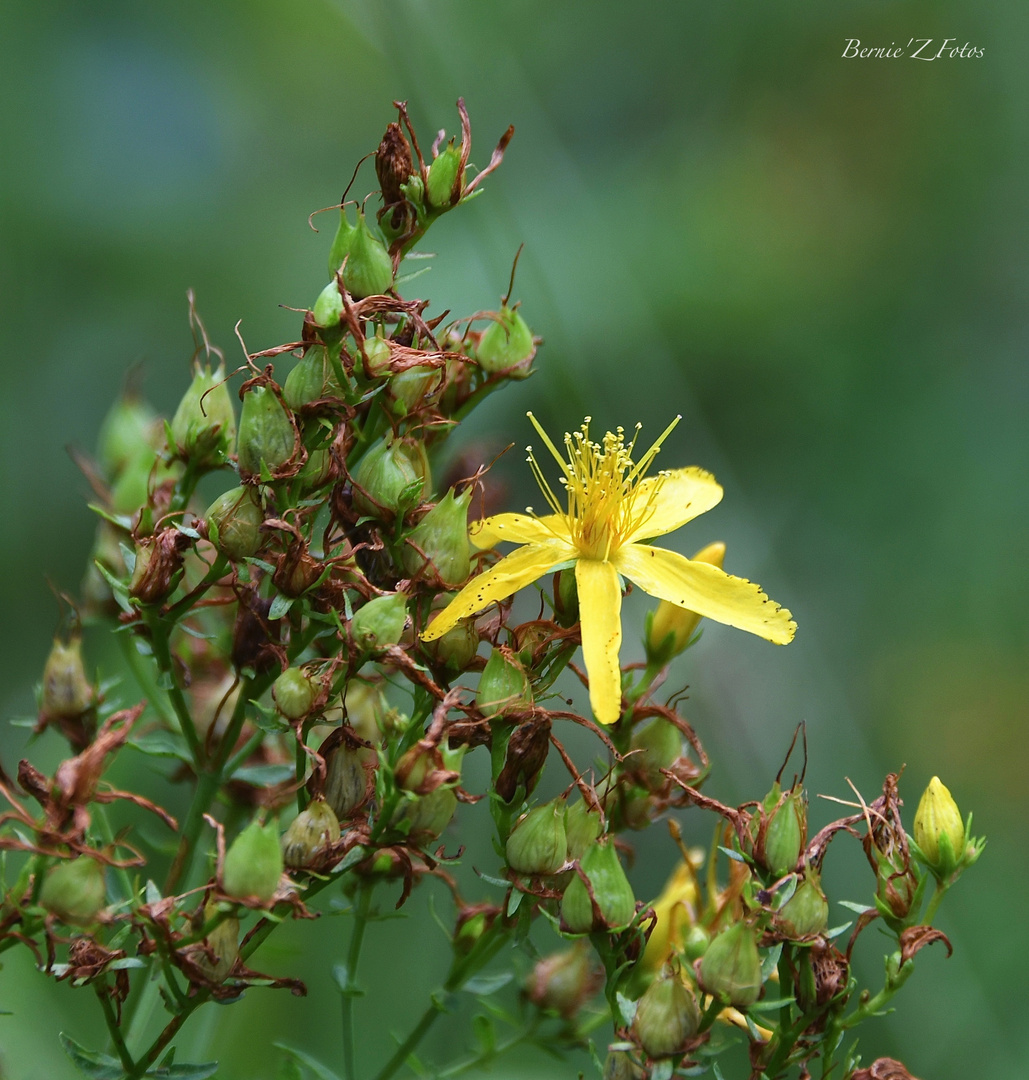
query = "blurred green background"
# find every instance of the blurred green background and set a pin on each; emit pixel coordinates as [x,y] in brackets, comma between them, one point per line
[819,262]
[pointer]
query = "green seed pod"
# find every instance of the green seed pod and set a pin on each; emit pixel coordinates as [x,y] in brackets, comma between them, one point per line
[142,474]
[234,523]
[328,308]
[376,357]
[506,346]
[667,1017]
[222,942]
[806,913]
[253,863]
[392,477]
[74,891]
[537,844]
[503,686]
[563,982]
[380,622]
[458,647]
[785,832]
[315,473]
[204,426]
[566,598]
[67,693]
[695,942]
[310,834]
[443,537]
[369,269]
[346,783]
[267,437]
[129,424]
[312,379]
[659,746]
[446,178]
[611,889]
[583,827]
[294,694]
[341,242]
[428,815]
[414,387]
[731,967]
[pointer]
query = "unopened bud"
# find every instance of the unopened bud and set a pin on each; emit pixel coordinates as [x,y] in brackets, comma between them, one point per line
[129,424]
[506,346]
[222,951]
[939,830]
[669,628]
[310,835]
[446,178]
[503,685]
[611,891]
[566,598]
[253,864]
[67,693]
[294,694]
[428,815]
[204,426]
[783,830]
[267,437]
[675,910]
[806,913]
[234,523]
[328,308]
[376,357]
[667,1017]
[731,967]
[393,476]
[537,844]
[414,387]
[563,982]
[369,269]
[441,538]
[380,622]
[74,891]
[312,379]
[658,746]
[583,826]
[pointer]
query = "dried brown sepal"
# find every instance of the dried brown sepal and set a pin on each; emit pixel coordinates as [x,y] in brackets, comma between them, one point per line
[883,1069]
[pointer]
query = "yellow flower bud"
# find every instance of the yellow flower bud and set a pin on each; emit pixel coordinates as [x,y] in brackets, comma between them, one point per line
[670,627]
[675,909]
[939,831]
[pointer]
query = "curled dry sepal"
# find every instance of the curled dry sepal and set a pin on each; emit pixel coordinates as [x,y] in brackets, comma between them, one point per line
[320,648]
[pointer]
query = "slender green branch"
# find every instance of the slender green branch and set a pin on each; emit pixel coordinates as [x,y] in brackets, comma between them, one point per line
[159,641]
[101,987]
[934,902]
[407,1047]
[145,680]
[217,571]
[364,899]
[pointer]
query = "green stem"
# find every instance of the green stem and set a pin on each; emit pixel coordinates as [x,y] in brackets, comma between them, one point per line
[144,679]
[407,1047]
[100,816]
[349,991]
[217,571]
[159,641]
[934,902]
[485,1056]
[112,1025]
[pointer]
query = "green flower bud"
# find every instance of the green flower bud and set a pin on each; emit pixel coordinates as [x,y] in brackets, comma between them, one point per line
[731,967]
[346,783]
[611,890]
[939,830]
[144,473]
[369,269]
[129,424]
[583,827]
[234,523]
[204,426]
[659,746]
[312,379]
[253,863]
[618,1065]
[537,844]
[74,891]
[294,694]
[328,308]
[566,598]
[506,346]
[446,178]
[341,242]
[695,942]
[67,693]
[222,942]
[669,628]
[783,831]
[315,473]
[503,686]
[806,913]
[376,357]
[428,815]
[458,647]
[563,982]
[413,387]
[310,835]
[667,1017]
[267,437]
[380,622]
[443,537]
[393,477]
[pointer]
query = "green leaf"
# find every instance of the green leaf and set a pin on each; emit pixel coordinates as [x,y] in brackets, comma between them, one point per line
[125,963]
[662,1070]
[851,906]
[264,775]
[484,985]
[770,961]
[486,877]
[319,1070]
[94,1065]
[734,855]
[770,1006]
[162,744]
[280,606]
[627,1007]
[184,1071]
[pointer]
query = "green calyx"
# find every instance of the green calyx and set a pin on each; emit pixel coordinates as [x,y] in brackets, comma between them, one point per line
[380,622]
[369,268]
[312,379]
[806,913]
[503,686]
[537,844]
[74,891]
[446,178]
[506,346]
[391,478]
[439,541]
[667,1017]
[253,864]
[783,830]
[658,745]
[615,903]
[234,523]
[267,438]
[731,967]
[204,426]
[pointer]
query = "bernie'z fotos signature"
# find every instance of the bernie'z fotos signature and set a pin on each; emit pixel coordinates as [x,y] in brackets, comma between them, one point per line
[916,49]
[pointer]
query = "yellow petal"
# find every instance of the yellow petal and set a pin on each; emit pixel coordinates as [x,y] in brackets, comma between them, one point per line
[600,608]
[676,497]
[704,588]
[518,528]
[512,573]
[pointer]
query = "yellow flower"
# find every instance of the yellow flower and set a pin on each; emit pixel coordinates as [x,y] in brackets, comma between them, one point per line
[610,506]
[675,909]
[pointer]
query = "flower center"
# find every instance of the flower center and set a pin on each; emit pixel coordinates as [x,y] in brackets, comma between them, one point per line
[605,499]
